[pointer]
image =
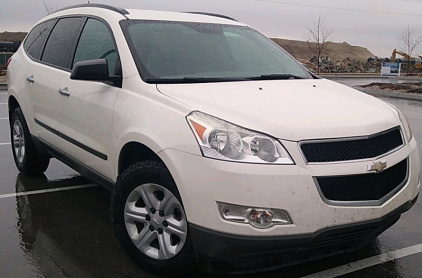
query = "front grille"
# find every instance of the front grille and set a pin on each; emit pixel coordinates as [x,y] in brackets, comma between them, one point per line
[352,149]
[364,187]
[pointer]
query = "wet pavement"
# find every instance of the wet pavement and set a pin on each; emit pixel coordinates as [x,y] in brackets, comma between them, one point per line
[69,233]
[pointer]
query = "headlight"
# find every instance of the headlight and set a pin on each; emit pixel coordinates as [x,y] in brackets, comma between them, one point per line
[222,140]
[404,122]
[406,126]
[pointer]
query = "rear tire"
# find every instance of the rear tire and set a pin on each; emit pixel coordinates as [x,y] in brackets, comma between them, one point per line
[150,221]
[27,158]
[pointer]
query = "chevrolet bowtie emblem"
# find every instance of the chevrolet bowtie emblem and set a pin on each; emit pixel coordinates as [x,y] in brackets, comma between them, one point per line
[377,167]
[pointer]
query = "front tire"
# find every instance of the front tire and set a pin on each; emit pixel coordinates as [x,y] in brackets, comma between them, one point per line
[150,221]
[26,156]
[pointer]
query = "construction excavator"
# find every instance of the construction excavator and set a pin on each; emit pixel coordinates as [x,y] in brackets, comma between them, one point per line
[406,56]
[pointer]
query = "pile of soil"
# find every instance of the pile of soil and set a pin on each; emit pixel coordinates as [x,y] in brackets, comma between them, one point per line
[406,87]
[335,51]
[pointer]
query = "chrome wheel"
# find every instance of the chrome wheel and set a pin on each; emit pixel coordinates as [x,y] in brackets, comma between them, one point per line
[18,141]
[155,221]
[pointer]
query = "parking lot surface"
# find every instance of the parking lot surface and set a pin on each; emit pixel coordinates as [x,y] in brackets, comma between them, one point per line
[58,225]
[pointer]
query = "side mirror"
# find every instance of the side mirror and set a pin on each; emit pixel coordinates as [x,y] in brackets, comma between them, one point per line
[91,70]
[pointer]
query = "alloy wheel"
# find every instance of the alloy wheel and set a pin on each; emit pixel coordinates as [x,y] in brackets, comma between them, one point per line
[18,141]
[155,221]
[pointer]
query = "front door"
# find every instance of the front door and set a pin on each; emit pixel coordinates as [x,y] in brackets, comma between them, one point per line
[86,107]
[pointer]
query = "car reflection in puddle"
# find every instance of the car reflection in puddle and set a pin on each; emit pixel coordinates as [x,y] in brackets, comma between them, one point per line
[68,233]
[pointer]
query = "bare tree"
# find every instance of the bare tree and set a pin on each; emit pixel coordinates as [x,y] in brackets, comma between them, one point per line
[408,43]
[48,8]
[318,38]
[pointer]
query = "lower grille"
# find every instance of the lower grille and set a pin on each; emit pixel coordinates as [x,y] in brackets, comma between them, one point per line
[374,188]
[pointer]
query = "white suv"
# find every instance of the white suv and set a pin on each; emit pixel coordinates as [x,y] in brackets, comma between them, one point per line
[219,147]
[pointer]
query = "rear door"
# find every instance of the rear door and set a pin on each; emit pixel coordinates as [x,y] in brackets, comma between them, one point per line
[31,74]
[86,111]
[51,74]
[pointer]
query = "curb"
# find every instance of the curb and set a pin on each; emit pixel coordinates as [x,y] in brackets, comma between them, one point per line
[391,94]
[368,76]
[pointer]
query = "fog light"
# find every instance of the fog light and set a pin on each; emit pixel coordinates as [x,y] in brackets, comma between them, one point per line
[257,217]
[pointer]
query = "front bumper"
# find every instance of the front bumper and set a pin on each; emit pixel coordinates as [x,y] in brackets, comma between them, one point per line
[223,253]
[202,182]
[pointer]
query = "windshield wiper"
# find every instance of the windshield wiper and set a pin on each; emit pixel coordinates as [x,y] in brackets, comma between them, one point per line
[213,79]
[189,79]
[276,76]
[193,80]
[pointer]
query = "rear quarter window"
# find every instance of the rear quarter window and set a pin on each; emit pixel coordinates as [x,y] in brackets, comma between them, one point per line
[35,41]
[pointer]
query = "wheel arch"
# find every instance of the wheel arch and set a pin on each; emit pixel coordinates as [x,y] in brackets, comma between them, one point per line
[133,152]
[15,101]
[12,104]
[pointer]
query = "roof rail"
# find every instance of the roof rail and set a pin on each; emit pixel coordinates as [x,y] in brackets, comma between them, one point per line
[102,6]
[213,14]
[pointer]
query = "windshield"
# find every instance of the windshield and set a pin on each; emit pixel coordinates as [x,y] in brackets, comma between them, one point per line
[186,52]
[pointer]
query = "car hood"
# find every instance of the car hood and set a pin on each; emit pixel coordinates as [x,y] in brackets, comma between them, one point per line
[289,109]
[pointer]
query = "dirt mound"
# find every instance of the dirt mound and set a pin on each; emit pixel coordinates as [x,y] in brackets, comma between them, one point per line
[334,51]
[405,87]
[12,36]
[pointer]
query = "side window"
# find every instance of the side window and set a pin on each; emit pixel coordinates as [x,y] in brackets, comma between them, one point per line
[96,42]
[61,41]
[36,38]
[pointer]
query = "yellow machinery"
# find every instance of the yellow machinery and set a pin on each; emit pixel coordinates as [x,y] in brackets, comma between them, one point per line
[407,57]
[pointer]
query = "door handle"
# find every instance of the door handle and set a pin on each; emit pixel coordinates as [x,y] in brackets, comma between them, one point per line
[64,92]
[30,79]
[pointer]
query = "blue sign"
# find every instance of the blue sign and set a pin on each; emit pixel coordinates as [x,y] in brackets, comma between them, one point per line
[390,69]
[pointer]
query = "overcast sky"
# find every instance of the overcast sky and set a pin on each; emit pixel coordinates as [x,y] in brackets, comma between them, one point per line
[374,24]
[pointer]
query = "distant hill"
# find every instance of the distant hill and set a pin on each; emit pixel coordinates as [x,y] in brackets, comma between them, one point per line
[12,36]
[335,51]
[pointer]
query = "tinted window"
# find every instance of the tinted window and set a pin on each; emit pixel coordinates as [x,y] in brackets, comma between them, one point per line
[36,38]
[96,42]
[61,41]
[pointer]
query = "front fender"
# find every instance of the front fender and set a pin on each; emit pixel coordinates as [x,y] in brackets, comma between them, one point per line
[153,120]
